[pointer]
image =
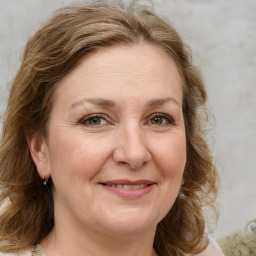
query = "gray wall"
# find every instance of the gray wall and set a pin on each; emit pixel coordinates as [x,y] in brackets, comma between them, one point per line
[222,35]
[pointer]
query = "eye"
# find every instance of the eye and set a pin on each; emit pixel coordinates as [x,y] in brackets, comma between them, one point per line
[161,119]
[93,120]
[157,120]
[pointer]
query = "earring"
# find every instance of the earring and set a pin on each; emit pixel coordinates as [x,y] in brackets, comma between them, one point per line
[181,194]
[44,180]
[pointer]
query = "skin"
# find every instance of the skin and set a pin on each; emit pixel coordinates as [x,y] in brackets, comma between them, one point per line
[138,133]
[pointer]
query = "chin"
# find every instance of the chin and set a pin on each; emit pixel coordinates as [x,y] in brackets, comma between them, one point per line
[132,223]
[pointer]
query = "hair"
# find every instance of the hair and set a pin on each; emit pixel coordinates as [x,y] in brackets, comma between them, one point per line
[27,213]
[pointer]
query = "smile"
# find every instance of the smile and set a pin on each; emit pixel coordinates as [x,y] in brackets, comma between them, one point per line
[129,189]
[126,186]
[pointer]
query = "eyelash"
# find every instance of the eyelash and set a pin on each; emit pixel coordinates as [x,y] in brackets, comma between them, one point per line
[86,120]
[102,117]
[167,118]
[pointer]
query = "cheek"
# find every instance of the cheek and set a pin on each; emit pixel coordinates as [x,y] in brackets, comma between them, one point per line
[171,160]
[171,156]
[76,158]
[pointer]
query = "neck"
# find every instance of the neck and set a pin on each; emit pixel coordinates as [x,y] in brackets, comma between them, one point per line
[64,241]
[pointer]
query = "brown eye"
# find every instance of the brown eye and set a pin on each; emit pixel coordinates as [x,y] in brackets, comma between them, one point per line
[161,120]
[95,121]
[157,120]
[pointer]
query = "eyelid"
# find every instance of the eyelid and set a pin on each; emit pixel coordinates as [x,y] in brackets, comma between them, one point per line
[83,120]
[169,119]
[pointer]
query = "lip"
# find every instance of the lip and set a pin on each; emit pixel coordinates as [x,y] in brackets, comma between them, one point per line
[130,193]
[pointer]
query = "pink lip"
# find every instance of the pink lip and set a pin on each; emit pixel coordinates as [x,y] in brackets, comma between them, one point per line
[128,193]
[128,182]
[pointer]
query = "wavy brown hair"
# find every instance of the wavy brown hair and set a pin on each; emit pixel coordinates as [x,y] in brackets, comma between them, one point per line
[27,214]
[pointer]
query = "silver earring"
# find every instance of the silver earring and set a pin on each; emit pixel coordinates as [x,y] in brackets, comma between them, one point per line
[181,194]
[44,180]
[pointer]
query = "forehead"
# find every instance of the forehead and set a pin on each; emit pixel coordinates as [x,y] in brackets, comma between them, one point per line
[130,57]
[133,68]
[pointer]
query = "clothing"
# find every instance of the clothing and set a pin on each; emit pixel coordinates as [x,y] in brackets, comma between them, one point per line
[213,249]
[38,251]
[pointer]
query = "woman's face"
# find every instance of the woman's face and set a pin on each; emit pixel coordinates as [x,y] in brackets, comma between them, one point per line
[116,148]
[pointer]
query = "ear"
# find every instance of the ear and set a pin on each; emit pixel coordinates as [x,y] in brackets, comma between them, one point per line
[39,153]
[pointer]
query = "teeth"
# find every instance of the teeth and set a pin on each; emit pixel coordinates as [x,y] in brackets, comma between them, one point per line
[126,186]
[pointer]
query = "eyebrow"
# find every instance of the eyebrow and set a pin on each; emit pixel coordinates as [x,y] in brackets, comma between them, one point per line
[160,102]
[95,101]
[111,104]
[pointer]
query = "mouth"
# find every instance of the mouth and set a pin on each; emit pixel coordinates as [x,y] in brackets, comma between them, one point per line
[129,189]
[126,186]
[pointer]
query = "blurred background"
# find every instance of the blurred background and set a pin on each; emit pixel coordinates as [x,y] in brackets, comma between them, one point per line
[222,36]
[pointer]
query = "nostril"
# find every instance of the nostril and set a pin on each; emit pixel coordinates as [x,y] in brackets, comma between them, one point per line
[130,152]
[138,164]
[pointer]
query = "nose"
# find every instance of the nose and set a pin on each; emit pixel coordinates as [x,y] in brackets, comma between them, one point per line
[131,148]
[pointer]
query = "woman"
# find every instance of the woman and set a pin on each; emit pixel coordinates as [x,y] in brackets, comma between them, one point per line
[102,149]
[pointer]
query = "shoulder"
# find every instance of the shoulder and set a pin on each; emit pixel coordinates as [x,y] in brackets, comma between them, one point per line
[24,253]
[8,254]
[27,253]
[34,251]
[212,249]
